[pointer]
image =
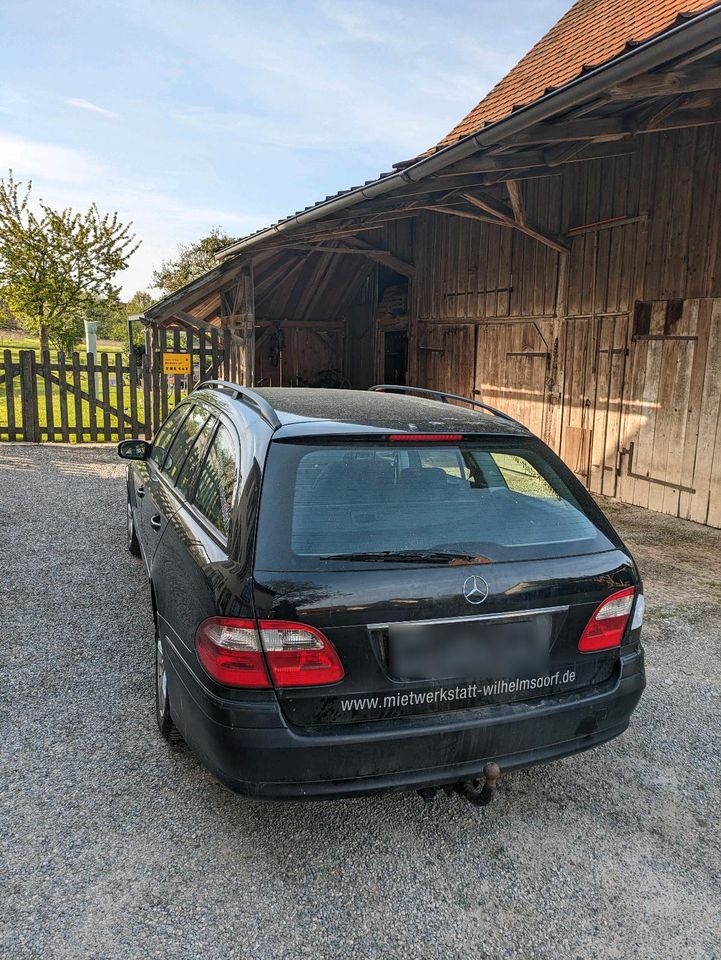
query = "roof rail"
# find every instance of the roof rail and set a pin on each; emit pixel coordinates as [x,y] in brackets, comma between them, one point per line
[245,395]
[443,397]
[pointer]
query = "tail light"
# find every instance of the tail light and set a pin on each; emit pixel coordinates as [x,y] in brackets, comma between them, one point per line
[607,626]
[299,655]
[230,651]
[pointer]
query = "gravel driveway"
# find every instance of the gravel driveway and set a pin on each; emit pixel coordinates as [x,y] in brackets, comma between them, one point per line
[118,846]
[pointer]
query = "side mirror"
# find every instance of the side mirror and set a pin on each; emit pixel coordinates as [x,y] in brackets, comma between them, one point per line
[134,449]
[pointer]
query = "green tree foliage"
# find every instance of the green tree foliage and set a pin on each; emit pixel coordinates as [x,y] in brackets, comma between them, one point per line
[192,261]
[56,264]
[112,316]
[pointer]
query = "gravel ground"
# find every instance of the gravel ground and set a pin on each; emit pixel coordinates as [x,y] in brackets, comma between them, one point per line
[118,846]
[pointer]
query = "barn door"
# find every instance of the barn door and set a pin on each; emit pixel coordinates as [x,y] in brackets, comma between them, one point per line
[608,379]
[446,357]
[671,454]
[512,366]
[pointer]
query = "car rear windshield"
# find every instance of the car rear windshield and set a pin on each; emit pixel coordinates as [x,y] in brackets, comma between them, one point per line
[327,504]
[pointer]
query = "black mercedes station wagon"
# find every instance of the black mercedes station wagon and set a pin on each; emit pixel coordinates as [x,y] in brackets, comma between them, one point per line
[362,591]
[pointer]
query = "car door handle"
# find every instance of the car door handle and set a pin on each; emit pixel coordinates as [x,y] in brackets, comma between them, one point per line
[155,521]
[140,491]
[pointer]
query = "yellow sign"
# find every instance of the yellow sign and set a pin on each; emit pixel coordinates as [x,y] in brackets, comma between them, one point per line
[176,363]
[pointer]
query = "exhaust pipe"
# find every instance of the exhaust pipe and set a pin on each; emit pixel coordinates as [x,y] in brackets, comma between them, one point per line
[477,794]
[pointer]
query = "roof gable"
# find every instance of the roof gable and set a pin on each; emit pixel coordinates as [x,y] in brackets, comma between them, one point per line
[591,33]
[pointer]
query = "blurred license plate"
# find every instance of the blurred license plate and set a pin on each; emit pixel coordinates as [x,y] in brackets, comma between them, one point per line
[489,649]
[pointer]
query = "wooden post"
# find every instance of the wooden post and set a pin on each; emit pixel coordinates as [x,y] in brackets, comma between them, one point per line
[238,316]
[10,393]
[29,396]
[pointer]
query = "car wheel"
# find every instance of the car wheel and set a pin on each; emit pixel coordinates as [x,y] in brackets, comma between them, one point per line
[133,543]
[162,700]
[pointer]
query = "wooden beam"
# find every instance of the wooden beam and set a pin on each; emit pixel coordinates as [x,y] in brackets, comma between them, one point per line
[505,215]
[604,130]
[605,224]
[466,214]
[359,248]
[516,197]
[667,84]
[382,256]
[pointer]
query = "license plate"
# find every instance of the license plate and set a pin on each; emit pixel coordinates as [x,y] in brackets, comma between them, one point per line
[489,648]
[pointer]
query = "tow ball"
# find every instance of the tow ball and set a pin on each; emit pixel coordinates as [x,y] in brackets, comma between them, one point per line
[477,793]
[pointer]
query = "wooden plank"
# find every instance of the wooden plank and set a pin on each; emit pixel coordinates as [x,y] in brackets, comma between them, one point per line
[9,370]
[147,401]
[63,398]
[29,396]
[203,356]
[505,215]
[120,393]
[93,398]
[105,386]
[77,390]
[176,379]
[214,354]
[133,397]
[706,480]
[48,392]
[163,378]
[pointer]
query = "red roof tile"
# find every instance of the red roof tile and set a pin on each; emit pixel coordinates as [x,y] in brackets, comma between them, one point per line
[592,32]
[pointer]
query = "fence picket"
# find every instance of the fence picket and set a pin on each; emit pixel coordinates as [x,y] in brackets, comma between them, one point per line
[77,391]
[63,397]
[29,396]
[105,392]
[48,389]
[214,354]
[92,402]
[133,386]
[146,398]
[9,368]
[120,394]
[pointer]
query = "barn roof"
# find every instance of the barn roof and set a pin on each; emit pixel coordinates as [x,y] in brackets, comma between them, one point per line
[591,33]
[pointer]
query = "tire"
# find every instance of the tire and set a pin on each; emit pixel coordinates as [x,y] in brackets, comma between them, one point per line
[162,699]
[133,542]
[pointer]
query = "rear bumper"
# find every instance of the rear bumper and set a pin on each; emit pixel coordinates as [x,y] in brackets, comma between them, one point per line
[280,761]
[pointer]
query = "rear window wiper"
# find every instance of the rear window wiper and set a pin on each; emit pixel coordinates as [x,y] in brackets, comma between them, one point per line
[411,556]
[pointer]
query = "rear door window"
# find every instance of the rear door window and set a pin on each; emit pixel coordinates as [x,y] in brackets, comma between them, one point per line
[164,438]
[189,471]
[183,441]
[492,498]
[216,483]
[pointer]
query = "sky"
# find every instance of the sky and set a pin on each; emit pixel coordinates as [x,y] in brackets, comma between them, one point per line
[186,115]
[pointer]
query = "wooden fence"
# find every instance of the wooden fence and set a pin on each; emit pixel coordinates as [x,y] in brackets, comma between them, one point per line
[75,398]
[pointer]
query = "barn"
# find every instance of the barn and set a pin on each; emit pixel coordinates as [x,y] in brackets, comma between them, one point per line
[556,255]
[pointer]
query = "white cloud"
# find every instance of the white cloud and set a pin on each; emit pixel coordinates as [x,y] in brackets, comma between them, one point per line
[46,161]
[82,104]
[65,177]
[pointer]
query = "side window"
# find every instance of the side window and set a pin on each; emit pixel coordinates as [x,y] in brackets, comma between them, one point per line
[161,443]
[186,477]
[521,477]
[183,441]
[214,492]
[447,459]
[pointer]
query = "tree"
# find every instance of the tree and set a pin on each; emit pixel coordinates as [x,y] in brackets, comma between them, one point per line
[55,263]
[193,261]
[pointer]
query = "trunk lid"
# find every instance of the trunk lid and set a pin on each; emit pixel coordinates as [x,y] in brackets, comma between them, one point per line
[506,560]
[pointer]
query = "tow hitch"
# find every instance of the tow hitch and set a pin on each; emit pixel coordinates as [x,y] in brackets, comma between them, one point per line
[477,793]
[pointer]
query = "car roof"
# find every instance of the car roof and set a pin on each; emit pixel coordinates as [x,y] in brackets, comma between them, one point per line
[308,410]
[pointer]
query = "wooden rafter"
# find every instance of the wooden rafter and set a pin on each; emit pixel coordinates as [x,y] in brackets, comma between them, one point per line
[667,84]
[516,197]
[505,215]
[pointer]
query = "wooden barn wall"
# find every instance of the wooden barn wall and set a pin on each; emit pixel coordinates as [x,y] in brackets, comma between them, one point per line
[561,345]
